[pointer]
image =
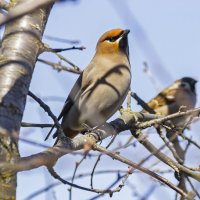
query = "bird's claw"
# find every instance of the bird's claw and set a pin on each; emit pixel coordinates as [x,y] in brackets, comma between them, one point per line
[97,133]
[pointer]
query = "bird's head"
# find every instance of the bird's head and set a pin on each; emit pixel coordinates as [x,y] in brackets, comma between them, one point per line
[188,83]
[113,41]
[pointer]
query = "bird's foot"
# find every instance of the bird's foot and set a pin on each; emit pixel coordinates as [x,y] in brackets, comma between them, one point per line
[95,132]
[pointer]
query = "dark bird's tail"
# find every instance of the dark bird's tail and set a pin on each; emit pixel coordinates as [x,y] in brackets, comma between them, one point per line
[49,132]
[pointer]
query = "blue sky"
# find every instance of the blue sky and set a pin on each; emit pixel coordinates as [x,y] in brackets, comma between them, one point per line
[165,34]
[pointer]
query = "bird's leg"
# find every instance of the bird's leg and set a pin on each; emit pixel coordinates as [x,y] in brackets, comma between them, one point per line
[87,127]
[97,133]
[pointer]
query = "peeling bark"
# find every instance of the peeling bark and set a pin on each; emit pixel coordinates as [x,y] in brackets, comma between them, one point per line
[19,50]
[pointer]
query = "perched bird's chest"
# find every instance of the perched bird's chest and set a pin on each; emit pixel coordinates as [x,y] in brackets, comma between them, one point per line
[114,72]
[186,99]
[111,79]
[106,90]
[170,103]
[183,100]
[104,86]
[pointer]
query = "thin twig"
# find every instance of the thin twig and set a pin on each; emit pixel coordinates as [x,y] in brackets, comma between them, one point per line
[48,110]
[63,40]
[82,175]
[56,176]
[117,189]
[160,120]
[46,48]
[174,153]
[67,61]
[26,124]
[66,49]
[59,67]
[192,186]
[74,174]
[167,160]
[134,165]
[52,185]
[190,140]
[98,159]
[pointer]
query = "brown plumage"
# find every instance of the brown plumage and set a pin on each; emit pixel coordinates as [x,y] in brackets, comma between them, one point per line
[101,88]
[181,93]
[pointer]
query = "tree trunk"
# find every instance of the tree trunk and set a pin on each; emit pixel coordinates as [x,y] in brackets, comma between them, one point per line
[18,53]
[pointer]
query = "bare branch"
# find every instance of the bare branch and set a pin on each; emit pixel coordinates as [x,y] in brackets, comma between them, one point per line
[74,174]
[67,61]
[160,120]
[164,158]
[66,145]
[24,8]
[98,159]
[48,110]
[190,140]
[59,67]
[66,49]
[81,175]
[63,40]
[104,191]
[134,165]
[26,124]
[173,151]
[193,188]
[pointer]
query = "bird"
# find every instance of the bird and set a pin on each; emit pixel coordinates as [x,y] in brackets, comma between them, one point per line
[180,95]
[101,88]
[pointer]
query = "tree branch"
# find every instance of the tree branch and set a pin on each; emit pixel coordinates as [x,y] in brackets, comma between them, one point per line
[66,145]
[24,8]
[136,166]
[59,67]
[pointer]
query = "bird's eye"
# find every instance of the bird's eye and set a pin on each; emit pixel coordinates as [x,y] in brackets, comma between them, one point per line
[112,39]
[185,85]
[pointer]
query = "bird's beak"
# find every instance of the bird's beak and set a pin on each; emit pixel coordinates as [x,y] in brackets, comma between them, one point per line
[123,42]
[195,81]
[125,33]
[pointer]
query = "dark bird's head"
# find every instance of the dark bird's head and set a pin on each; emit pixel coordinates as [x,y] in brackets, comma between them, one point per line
[188,83]
[114,41]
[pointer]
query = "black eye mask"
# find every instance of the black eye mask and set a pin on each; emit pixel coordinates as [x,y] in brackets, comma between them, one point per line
[113,39]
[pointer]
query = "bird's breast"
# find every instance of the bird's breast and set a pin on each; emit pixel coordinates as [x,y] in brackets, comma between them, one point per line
[105,95]
[108,85]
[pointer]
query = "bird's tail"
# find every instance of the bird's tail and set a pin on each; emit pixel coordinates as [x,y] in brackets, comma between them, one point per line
[49,132]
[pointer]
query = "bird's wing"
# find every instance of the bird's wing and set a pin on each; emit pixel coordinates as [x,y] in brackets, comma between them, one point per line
[73,95]
[79,87]
[163,98]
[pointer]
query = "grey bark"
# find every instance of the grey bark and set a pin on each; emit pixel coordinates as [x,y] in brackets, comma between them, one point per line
[20,47]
